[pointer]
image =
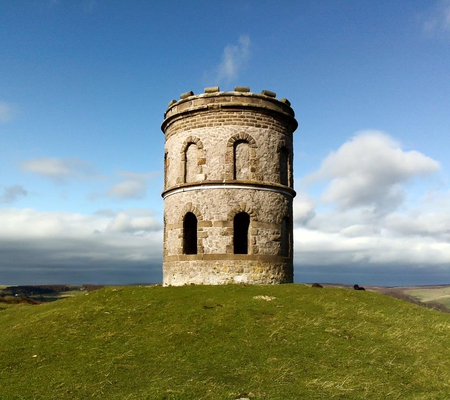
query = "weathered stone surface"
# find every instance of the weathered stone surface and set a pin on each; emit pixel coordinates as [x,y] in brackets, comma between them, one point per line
[221,161]
[221,272]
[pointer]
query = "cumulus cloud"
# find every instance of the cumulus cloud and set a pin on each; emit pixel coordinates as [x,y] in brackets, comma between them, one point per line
[139,225]
[359,232]
[234,59]
[438,20]
[402,248]
[128,190]
[368,248]
[371,170]
[49,245]
[12,193]
[133,186]
[7,112]
[303,209]
[58,170]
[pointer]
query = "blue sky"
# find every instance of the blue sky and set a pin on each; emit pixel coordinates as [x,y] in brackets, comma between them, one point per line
[84,86]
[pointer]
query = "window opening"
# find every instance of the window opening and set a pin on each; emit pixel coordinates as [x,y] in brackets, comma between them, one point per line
[285,238]
[166,168]
[191,163]
[284,166]
[241,224]
[190,234]
[241,160]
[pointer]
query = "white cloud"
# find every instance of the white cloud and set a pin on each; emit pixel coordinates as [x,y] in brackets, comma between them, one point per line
[361,232]
[128,190]
[7,112]
[371,170]
[12,194]
[134,185]
[29,223]
[234,59]
[58,169]
[125,222]
[52,244]
[411,246]
[303,209]
[438,20]
[368,250]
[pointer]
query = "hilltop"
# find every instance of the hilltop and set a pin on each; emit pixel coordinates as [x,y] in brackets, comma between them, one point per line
[224,342]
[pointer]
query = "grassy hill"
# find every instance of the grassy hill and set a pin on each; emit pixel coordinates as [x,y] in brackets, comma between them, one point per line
[224,342]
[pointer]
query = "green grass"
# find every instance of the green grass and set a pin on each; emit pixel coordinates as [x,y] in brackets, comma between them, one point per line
[219,342]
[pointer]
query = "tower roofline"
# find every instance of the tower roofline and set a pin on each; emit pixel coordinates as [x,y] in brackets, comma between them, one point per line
[240,98]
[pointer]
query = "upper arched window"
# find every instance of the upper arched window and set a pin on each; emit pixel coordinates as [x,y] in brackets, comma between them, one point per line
[191,163]
[192,160]
[166,168]
[241,223]
[241,158]
[285,166]
[190,233]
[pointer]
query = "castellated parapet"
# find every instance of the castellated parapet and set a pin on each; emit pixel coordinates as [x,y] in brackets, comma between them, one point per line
[228,188]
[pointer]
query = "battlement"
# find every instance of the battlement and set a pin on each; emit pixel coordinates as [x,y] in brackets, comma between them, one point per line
[241,98]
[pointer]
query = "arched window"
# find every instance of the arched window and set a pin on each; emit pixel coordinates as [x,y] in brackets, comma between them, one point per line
[166,168]
[191,163]
[285,238]
[241,158]
[190,233]
[284,166]
[241,224]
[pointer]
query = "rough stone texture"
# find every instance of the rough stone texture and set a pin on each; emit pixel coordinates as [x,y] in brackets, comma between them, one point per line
[224,155]
[210,272]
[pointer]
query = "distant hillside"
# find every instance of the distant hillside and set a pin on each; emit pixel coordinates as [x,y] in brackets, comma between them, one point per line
[224,342]
[434,297]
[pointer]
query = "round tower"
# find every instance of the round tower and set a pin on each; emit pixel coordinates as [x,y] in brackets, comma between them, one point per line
[228,188]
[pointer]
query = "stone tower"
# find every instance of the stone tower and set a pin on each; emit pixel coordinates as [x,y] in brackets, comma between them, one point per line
[228,188]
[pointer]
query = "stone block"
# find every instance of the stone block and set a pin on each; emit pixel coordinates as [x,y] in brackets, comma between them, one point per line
[186,95]
[212,89]
[242,89]
[268,93]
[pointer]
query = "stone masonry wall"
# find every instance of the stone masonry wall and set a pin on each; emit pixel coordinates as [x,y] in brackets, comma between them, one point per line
[215,219]
[212,154]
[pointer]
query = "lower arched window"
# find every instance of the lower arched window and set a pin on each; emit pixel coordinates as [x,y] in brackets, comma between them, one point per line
[241,224]
[285,238]
[190,233]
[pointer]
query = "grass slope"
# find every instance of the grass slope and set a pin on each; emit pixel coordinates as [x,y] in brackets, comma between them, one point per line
[220,342]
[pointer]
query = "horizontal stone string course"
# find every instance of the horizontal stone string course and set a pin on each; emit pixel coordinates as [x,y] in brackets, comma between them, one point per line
[228,188]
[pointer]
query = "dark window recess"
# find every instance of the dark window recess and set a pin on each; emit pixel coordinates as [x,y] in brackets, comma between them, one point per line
[190,234]
[241,224]
[284,166]
[285,238]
